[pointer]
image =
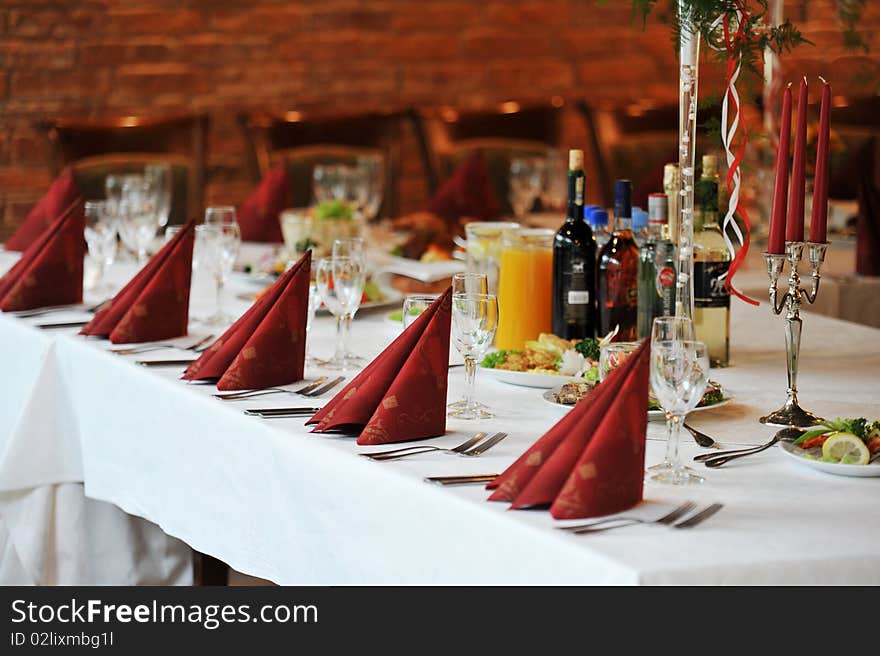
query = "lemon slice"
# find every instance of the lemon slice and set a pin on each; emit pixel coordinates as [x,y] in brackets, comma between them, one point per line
[845,448]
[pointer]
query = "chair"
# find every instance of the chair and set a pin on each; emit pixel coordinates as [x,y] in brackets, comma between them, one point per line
[301,140]
[96,148]
[634,142]
[447,136]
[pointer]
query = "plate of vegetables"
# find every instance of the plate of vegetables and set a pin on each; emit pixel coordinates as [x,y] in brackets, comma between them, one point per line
[546,362]
[846,447]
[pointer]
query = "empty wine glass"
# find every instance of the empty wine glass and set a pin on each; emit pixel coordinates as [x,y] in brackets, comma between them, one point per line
[665,329]
[220,215]
[414,305]
[136,212]
[159,176]
[474,321]
[373,173]
[470,283]
[341,281]
[526,180]
[314,302]
[612,356]
[217,245]
[679,374]
[100,234]
[349,247]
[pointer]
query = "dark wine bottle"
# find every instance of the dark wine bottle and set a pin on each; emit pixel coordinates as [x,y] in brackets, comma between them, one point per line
[618,278]
[574,262]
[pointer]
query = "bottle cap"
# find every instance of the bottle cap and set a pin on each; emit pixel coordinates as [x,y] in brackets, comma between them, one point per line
[575,160]
[658,206]
[622,199]
[599,217]
[639,218]
[588,212]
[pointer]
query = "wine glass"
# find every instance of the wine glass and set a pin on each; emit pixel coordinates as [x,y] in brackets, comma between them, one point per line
[314,302]
[100,234]
[159,176]
[679,374]
[136,211]
[349,247]
[374,176]
[414,305]
[340,282]
[526,180]
[612,356]
[474,321]
[217,245]
[666,329]
[220,215]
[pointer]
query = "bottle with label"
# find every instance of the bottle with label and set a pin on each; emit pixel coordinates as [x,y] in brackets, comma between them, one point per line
[656,268]
[711,264]
[574,263]
[618,278]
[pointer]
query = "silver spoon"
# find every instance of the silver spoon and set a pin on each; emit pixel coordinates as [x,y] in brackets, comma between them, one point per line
[717,459]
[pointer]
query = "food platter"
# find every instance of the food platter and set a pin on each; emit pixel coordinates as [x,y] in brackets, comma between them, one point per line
[527,378]
[654,415]
[859,471]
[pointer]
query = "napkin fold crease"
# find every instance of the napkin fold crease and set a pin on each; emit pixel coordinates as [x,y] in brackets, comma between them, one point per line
[62,193]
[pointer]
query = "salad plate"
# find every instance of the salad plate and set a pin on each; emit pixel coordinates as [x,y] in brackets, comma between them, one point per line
[654,415]
[801,456]
[527,378]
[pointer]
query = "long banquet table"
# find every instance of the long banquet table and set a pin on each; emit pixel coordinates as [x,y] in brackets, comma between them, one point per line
[277,502]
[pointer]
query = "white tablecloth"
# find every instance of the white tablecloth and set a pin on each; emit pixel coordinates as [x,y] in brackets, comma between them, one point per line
[277,502]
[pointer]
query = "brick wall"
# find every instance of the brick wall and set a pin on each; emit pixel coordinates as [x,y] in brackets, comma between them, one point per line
[94,57]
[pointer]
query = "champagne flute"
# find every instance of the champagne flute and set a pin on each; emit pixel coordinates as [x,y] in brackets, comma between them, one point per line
[474,322]
[340,281]
[666,329]
[679,374]
[467,283]
[218,245]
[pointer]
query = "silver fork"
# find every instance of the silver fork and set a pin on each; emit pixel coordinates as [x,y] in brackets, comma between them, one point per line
[470,451]
[701,516]
[425,448]
[597,526]
[135,350]
[237,396]
[324,388]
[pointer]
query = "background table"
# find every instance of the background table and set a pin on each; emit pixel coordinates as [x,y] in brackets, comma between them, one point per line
[277,502]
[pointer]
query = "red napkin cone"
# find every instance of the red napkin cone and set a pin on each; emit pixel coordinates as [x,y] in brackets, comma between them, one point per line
[468,193]
[50,271]
[267,345]
[592,461]
[258,217]
[155,303]
[401,395]
[62,194]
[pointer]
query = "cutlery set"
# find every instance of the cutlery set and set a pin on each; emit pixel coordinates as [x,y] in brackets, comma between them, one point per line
[669,519]
[719,458]
[315,388]
[198,347]
[475,446]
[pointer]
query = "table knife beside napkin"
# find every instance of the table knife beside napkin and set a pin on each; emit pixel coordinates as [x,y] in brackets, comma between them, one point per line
[164,363]
[468,479]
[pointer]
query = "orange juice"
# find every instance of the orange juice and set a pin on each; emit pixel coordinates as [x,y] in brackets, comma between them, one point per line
[525,286]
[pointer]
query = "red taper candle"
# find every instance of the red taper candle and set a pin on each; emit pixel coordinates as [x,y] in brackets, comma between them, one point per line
[780,187]
[819,216]
[794,228]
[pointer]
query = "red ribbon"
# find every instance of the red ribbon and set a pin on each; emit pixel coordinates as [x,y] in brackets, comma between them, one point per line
[737,160]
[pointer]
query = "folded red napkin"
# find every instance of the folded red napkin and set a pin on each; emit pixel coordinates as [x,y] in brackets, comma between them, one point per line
[155,303]
[258,217]
[401,395]
[50,271]
[868,225]
[591,462]
[468,193]
[62,194]
[267,345]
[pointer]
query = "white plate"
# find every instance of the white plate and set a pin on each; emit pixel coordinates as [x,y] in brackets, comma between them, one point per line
[527,379]
[859,471]
[655,415]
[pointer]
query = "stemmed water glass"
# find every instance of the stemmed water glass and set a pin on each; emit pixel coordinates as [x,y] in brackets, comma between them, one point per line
[665,329]
[679,374]
[159,176]
[341,282]
[526,181]
[474,322]
[100,234]
[414,305]
[350,247]
[374,181]
[217,244]
[314,302]
[467,283]
[136,211]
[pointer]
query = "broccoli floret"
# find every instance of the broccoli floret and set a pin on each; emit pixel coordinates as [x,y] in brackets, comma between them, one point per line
[589,348]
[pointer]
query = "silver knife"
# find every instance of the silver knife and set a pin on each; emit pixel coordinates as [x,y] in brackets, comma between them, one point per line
[164,363]
[279,411]
[333,383]
[461,480]
[65,324]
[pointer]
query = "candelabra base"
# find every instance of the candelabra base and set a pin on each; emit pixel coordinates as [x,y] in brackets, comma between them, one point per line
[791,414]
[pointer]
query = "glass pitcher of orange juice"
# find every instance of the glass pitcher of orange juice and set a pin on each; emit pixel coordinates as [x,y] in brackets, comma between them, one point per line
[525,286]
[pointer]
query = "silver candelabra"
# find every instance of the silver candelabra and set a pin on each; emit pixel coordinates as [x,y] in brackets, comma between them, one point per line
[791,414]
